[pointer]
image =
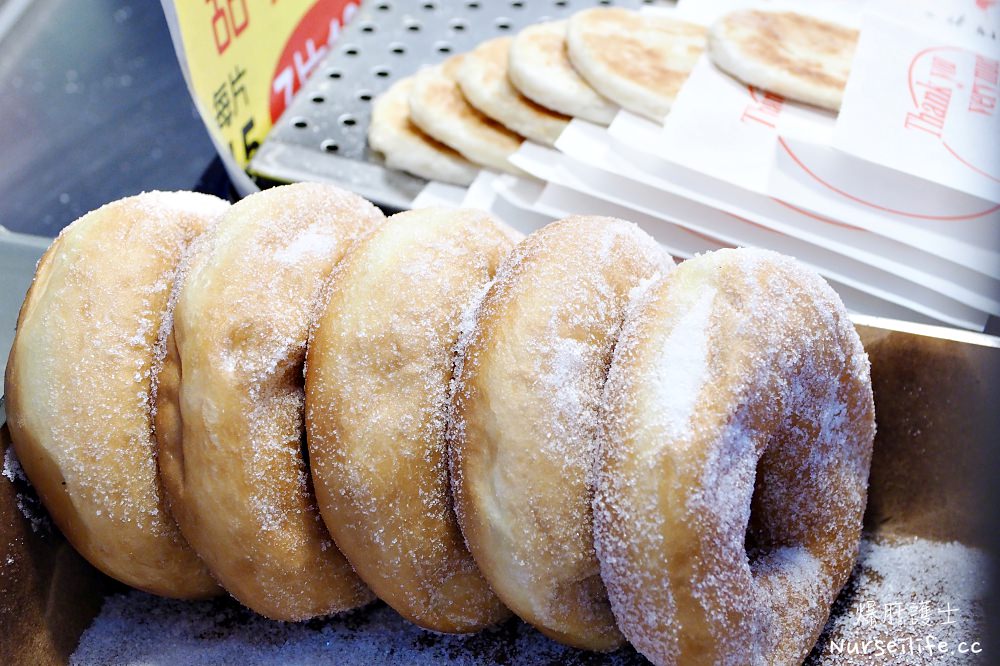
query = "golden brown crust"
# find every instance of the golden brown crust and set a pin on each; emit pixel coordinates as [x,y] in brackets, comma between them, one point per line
[539,67]
[379,368]
[439,109]
[406,147]
[397,114]
[773,33]
[78,381]
[484,81]
[640,62]
[525,420]
[739,414]
[495,55]
[800,57]
[230,431]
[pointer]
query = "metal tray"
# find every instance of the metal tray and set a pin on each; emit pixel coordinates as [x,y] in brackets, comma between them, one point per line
[322,135]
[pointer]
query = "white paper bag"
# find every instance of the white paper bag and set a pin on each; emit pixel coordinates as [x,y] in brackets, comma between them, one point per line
[706,222]
[593,145]
[926,107]
[555,201]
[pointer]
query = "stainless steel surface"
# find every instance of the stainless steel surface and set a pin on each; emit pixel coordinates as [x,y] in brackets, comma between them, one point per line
[322,135]
[18,255]
[94,109]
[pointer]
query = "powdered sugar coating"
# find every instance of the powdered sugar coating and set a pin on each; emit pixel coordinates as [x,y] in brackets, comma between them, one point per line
[229,422]
[775,456]
[682,367]
[906,598]
[164,338]
[136,628]
[139,628]
[525,419]
[380,365]
[78,385]
[27,500]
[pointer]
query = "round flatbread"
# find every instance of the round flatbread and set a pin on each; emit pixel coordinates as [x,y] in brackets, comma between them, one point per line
[638,61]
[484,81]
[540,69]
[799,57]
[406,148]
[438,108]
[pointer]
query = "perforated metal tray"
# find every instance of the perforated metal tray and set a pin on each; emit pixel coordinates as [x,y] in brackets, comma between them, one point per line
[322,135]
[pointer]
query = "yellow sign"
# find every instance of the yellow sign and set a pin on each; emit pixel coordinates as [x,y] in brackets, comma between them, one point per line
[246,58]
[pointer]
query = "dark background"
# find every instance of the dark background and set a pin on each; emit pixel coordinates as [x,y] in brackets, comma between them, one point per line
[93,107]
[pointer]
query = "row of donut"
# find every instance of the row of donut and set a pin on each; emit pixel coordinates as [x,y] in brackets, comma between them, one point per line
[310,405]
[475,109]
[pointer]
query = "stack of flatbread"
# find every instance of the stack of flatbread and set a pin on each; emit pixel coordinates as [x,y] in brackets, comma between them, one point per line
[474,110]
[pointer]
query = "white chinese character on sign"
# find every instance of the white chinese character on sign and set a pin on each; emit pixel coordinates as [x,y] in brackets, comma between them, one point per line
[284,83]
[304,66]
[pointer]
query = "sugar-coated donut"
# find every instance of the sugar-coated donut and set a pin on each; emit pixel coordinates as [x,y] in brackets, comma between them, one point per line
[525,419]
[379,368]
[733,478]
[229,417]
[78,385]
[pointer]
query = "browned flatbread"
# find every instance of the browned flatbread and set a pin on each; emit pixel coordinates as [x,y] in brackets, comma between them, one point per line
[406,147]
[485,84]
[638,61]
[540,69]
[800,57]
[439,109]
